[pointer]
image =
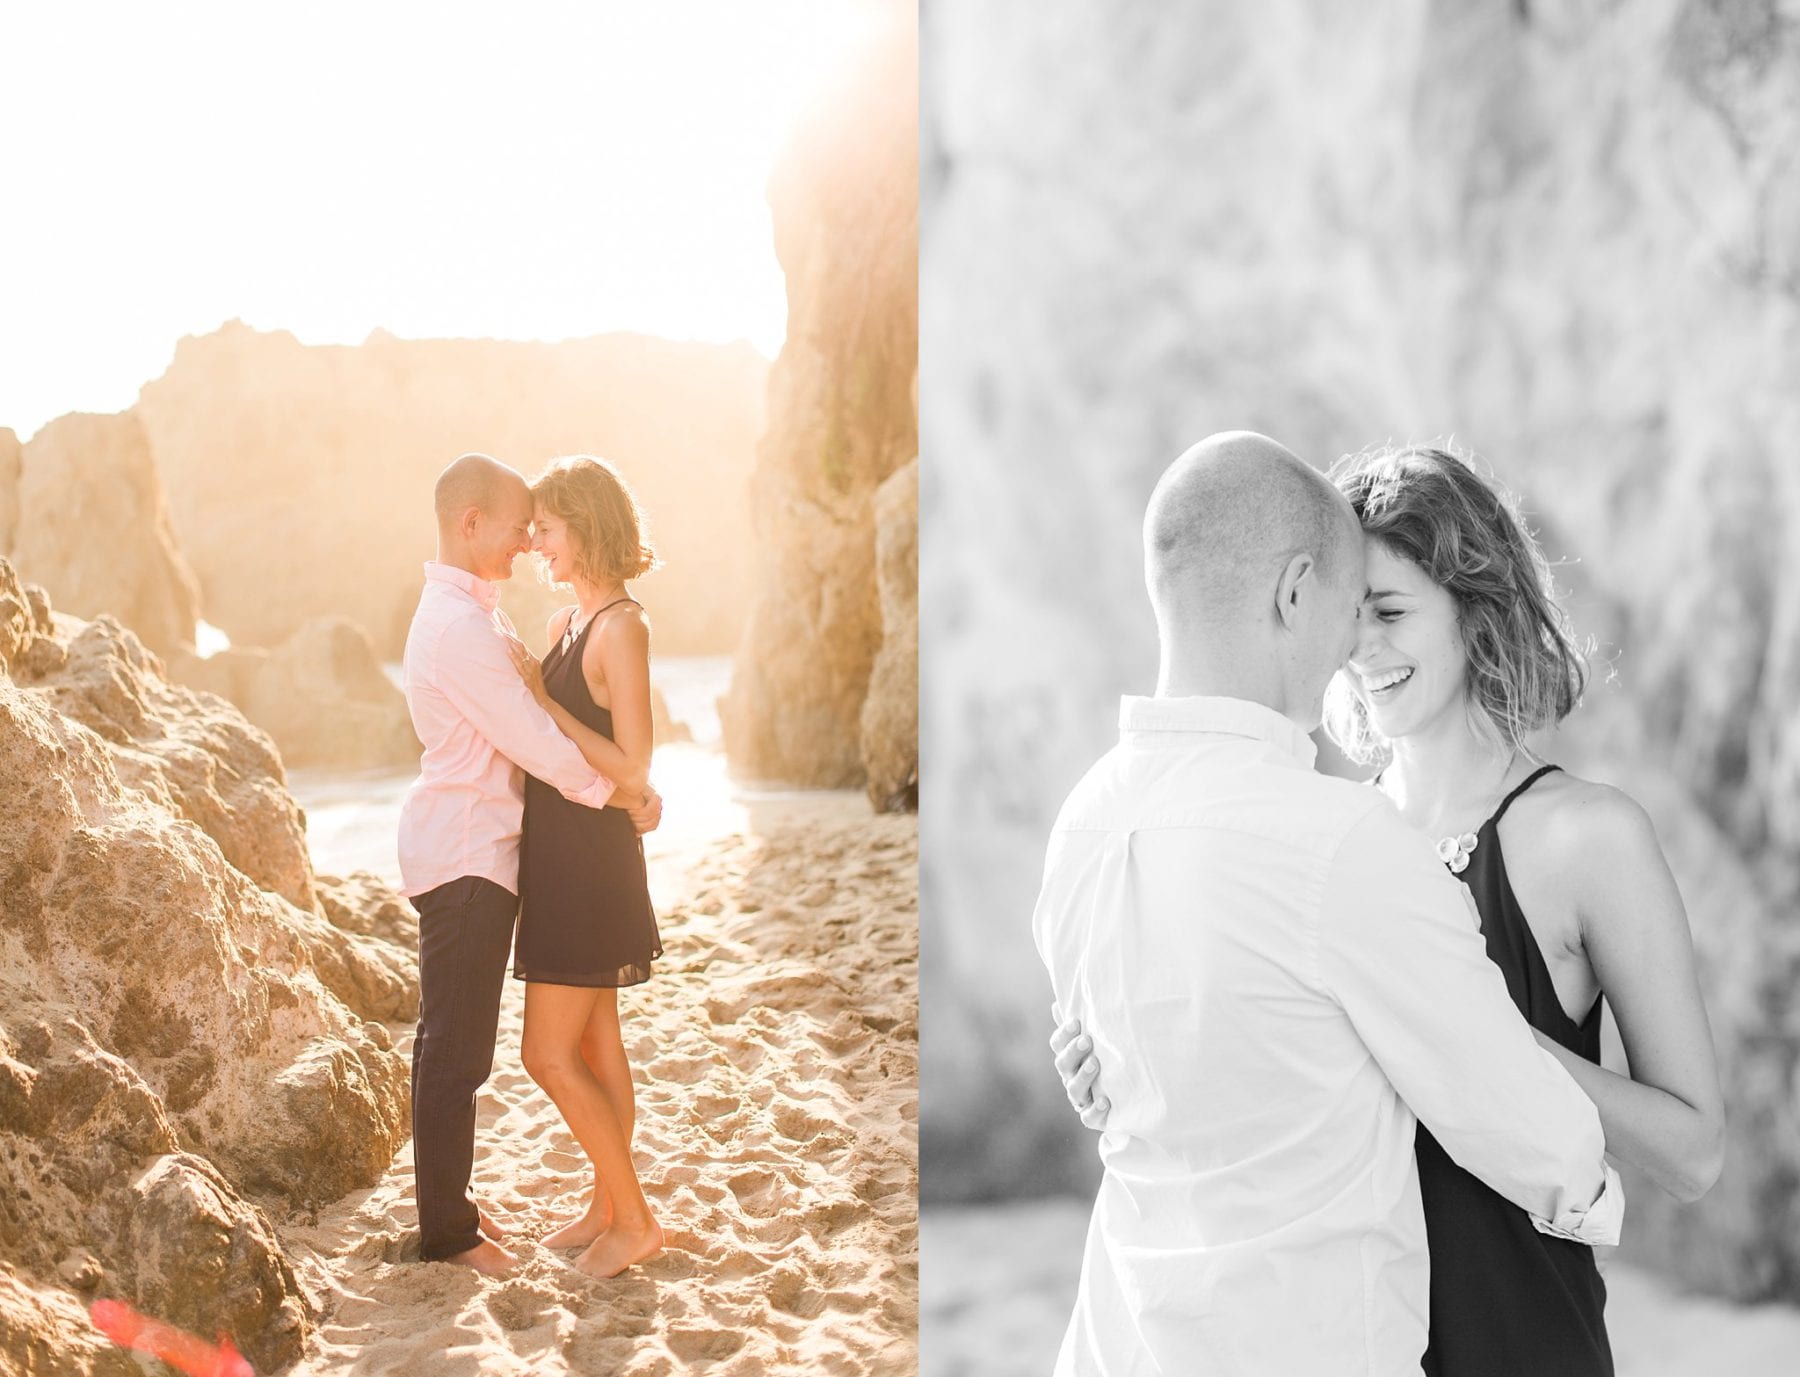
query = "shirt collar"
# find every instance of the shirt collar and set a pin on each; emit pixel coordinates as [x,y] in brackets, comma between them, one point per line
[1225,716]
[481,590]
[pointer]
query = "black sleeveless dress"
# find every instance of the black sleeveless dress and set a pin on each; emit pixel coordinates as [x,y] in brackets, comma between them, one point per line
[1506,1300]
[584,898]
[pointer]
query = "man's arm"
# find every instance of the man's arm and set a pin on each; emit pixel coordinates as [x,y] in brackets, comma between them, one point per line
[1400,951]
[477,676]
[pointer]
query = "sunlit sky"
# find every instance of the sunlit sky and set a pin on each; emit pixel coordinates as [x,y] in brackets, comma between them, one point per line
[543,171]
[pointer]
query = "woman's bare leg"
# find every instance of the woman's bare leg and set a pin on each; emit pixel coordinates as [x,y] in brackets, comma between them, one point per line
[603,1049]
[555,1017]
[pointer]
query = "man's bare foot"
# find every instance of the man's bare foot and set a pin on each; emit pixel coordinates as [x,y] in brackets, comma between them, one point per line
[581,1232]
[487,1257]
[619,1248]
[489,1228]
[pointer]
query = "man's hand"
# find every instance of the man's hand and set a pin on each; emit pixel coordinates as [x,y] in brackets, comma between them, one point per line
[648,814]
[1079,1069]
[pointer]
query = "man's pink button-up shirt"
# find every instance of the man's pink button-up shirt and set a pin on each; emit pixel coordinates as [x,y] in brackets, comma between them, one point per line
[482,732]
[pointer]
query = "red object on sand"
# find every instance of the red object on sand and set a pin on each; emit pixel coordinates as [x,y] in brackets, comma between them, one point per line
[176,1347]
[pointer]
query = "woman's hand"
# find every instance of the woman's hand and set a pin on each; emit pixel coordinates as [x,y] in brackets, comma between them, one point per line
[527,665]
[1080,1071]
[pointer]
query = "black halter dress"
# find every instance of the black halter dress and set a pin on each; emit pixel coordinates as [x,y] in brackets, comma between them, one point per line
[584,899]
[1506,1300]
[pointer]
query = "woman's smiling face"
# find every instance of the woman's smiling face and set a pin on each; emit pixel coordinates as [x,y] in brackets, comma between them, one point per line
[550,541]
[1408,666]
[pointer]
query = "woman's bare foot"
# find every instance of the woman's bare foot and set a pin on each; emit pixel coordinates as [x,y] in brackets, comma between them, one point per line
[581,1232]
[619,1248]
[490,1229]
[487,1257]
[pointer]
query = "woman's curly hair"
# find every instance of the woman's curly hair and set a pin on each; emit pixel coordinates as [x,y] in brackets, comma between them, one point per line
[603,516]
[1526,669]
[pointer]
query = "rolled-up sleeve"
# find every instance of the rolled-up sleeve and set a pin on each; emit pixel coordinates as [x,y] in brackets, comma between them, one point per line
[1399,948]
[481,682]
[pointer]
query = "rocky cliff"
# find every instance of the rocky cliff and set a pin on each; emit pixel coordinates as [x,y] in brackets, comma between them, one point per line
[82,506]
[321,695]
[1568,235]
[187,1049]
[299,477]
[843,417]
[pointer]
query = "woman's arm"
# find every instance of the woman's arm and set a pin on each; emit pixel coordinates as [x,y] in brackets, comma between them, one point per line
[605,756]
[1667,1117]
[616,660]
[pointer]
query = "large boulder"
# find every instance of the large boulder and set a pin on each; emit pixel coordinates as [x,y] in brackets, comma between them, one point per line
[890,712]
[195,755]
[300,476]
[321,695]
[842,419]
[11,461]
[177,1066]
[1568,236]
[91,523]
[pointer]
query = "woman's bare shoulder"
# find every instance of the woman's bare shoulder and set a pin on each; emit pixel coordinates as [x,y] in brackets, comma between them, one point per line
[624,630]
[1582,825]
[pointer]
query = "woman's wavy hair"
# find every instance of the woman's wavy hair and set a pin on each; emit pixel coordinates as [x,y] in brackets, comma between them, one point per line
[598,506]
[1526,669]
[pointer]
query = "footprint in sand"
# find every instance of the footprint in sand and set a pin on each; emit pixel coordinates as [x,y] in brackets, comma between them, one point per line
[760,1194]
[694,1345]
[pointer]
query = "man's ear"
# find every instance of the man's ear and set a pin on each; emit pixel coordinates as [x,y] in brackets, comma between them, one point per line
[471,518]
[1296,581]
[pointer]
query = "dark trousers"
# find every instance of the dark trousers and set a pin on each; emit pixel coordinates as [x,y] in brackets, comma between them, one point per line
[465,933]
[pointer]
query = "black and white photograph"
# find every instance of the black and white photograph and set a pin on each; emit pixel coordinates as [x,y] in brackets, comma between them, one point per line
[1361,849]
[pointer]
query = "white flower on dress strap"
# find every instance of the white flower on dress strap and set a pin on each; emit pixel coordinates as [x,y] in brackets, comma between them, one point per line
[1454,851]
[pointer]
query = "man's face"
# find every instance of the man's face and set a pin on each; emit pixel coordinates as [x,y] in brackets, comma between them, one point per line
[1331,636]
[503,534]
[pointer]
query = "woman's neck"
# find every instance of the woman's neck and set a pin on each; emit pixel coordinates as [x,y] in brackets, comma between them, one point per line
[591,597]
[1442,775]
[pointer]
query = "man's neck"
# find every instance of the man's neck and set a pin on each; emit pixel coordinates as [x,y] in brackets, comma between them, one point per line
[1237,674]
[460,561]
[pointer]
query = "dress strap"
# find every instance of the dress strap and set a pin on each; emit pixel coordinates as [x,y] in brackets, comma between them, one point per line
[1530,780]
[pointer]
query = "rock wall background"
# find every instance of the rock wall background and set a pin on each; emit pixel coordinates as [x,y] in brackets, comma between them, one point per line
[1567,234]
[299,476]
[843,418]
[190,1044]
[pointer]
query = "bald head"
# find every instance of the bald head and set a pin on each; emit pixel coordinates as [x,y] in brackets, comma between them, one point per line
[475,480]
[1229,515]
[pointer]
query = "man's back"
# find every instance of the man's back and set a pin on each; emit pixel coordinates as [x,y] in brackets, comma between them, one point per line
[1259,1211]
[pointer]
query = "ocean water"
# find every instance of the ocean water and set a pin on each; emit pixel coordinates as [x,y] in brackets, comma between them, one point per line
[353,816]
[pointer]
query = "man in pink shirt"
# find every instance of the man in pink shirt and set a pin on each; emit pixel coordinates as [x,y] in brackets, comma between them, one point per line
[460,828]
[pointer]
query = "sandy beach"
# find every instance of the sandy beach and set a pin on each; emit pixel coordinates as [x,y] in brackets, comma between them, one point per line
[776,1056]
[999,1282]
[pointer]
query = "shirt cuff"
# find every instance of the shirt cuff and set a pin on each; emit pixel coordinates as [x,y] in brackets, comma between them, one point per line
[1597,1225]
[594,796]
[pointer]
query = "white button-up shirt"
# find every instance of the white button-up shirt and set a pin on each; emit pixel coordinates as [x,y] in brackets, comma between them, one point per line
[1278,974]
[482,732]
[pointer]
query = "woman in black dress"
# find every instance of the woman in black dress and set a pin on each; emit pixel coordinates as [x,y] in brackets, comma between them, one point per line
[586,926]
[1462,653]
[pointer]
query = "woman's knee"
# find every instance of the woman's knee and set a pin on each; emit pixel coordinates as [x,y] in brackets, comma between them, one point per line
[551,1066]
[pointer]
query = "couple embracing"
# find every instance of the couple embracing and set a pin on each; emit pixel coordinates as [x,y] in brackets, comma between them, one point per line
[1343,1039]
[533,791]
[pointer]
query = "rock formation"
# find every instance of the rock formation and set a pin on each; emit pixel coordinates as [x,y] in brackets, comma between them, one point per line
[321,694]
[842,418]
[299,477]
[88,517]
[1567,236]
[184,1054]
[11,457]
[890,713]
